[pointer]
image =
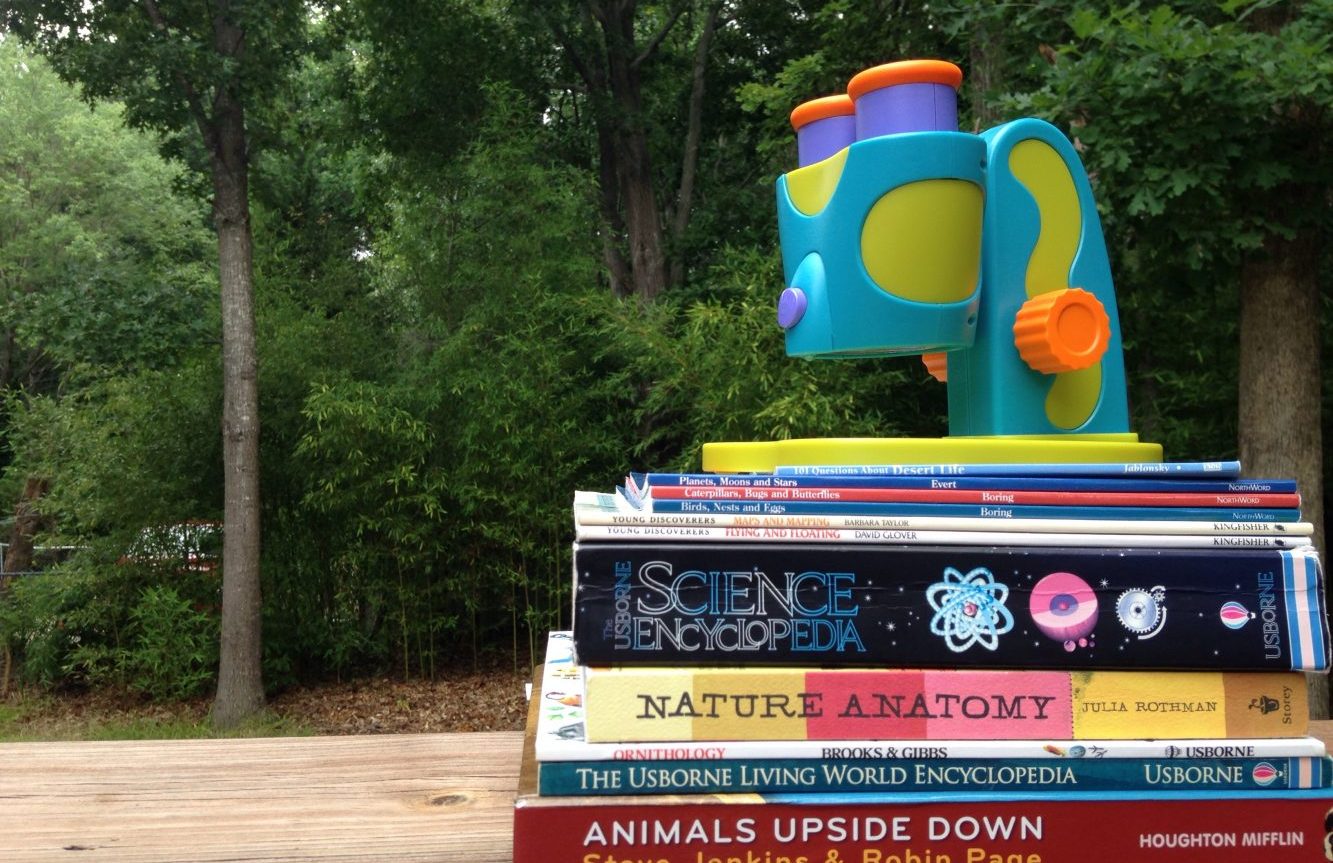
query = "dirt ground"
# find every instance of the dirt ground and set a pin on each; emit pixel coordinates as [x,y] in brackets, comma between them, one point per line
[466,701]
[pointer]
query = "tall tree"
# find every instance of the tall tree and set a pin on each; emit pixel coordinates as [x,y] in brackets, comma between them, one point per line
[609,44]
[179,66]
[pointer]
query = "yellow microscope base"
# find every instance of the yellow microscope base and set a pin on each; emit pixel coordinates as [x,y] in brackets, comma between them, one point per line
[766,456]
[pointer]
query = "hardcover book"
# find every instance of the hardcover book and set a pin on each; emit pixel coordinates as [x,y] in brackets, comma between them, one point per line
[641,484]
[961,510]
[1171,827]
[855,775]
[948,606]
[1001,497]
[701,533]
[1176,469]
[594,508]
[636,703]
[559,705]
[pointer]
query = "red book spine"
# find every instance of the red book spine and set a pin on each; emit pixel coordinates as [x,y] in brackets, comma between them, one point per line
[945,495]
[1161,829]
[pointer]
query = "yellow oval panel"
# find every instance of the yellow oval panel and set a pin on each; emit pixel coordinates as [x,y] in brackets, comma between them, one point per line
[922,241]
[1073,397]
[1045,175]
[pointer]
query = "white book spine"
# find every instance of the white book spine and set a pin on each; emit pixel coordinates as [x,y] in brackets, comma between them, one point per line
[595,515]
[899,536]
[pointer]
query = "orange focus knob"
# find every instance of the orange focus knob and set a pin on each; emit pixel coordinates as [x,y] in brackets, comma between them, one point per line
[1062,331]
[937,365]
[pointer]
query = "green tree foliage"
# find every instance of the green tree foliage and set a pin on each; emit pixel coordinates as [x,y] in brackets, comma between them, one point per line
[444,483]
[444,358]
[102,263]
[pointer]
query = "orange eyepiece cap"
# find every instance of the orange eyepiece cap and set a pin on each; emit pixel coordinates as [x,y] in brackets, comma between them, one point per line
[821,109]
[905,72]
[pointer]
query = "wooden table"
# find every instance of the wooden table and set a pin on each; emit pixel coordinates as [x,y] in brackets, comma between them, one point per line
[391,798]
[388,798]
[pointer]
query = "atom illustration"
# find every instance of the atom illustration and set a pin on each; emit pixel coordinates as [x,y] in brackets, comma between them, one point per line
[969,609]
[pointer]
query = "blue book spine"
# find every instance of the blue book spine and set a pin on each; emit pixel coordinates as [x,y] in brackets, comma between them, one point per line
[834,775]
[1008,483]
[1181,469]
[921,606]
[967,510]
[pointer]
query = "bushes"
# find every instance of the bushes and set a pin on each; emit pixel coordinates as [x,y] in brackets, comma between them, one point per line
[84,625]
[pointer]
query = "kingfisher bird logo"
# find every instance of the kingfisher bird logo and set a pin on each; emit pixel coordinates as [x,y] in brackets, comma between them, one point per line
[1264,704]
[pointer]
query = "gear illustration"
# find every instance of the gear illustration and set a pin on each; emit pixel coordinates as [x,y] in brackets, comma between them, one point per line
[1142,612]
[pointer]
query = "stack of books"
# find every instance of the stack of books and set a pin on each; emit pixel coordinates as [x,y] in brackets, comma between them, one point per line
[882,664]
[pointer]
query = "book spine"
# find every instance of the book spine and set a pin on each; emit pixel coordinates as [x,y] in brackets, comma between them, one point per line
[554,746]
[999,497]
[963,510]
[560,737]
[937,606]
[595,515]
[700,703]
[693,533]
[1180,828]
[1026,483]
[797,775]
[1181,470]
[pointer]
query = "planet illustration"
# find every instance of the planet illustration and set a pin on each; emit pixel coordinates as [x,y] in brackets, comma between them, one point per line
[1234,615]
[1064,608]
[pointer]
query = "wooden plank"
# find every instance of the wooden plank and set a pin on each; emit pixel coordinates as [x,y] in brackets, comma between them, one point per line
[418,797]
[413,798]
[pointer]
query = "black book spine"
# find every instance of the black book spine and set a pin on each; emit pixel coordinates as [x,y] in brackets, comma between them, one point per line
[949,606]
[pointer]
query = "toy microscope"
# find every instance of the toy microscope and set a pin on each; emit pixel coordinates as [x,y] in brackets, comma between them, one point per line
[982,253]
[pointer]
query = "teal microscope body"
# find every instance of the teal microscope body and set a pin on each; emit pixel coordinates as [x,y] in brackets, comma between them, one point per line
[985,248]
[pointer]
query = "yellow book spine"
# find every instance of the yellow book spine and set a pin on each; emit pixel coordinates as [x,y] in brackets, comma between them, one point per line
[680,704]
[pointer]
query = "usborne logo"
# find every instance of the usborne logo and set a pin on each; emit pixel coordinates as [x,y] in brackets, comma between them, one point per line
[1264,774]
[1234,615]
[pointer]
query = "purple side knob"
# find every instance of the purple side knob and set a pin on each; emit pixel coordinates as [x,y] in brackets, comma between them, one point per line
[791,307]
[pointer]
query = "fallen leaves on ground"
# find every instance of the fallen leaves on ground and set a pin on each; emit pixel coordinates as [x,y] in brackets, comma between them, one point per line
[472,701]
[491,700]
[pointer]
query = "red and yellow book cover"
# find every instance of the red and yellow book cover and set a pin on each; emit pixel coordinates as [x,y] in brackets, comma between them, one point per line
[627,703]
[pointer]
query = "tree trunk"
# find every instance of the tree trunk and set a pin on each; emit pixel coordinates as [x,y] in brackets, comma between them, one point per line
[689,162]
[605,53]
[240,692]
[1280,376]
[986,61]
[643,221]
[27,521]
[613,226]
[1280,398]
